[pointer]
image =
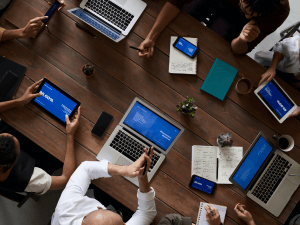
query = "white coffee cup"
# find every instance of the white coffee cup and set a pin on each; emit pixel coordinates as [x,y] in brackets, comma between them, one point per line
[285,142]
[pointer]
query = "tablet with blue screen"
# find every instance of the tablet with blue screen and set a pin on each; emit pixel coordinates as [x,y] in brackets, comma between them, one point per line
[55,101]
[276,100]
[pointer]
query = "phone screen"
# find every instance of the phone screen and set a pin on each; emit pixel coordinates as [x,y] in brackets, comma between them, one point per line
[7,83]
[186,47]
[102,123]
[51,11]
[203,184]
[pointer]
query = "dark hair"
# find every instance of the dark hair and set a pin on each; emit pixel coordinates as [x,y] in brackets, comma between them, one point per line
[8,153]
[262,7]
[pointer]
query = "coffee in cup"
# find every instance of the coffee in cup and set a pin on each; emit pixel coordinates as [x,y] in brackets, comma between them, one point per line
[285,142]
[243,86]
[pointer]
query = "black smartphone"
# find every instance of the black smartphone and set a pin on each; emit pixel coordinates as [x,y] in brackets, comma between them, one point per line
[7,83]
[186,47]
[102,124]
[203,184]
[51,11]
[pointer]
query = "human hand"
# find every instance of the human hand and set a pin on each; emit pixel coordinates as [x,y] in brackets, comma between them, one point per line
[137,168]
[147,48]
[63,4]
[243,214]
[212,219]
[74,123]
[250,32]
[30,93]
[268,75]
[296,112]
[32,27]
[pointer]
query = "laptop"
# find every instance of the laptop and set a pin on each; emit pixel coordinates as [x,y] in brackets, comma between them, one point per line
[113,18]
[263,175]
[141,127]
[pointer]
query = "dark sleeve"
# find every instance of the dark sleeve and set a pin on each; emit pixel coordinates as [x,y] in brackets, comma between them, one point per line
[179,3]
[269,25]
[175,219]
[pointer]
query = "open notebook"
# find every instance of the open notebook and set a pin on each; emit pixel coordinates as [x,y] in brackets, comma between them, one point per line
[179,62]
[201,219]
[214,163]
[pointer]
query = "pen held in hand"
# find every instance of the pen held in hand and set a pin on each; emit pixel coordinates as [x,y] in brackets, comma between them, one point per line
[146,162]
[135,48]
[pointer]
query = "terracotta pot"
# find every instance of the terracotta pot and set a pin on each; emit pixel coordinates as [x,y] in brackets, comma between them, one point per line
[85,74]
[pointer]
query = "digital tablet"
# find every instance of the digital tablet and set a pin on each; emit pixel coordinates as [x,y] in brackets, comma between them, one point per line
[276,100]
[55,101]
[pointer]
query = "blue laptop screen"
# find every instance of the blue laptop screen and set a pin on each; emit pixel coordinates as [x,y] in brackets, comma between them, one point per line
[276,99]
[151,126]
[252,163]
[55,102]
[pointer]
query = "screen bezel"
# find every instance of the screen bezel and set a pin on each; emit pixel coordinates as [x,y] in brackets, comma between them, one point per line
[192,181]
[195,53]
[261,169]
[96,124]
[61,91]
[160,114]
[267,104]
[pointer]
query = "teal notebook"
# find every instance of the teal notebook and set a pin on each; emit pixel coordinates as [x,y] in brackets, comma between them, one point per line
[219,79]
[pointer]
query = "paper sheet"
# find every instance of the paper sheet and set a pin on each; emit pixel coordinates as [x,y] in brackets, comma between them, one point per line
[201,220]
[229,158]
[179,62]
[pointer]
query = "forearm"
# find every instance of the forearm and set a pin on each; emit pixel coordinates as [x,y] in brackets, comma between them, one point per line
[70,161]
[9,104]
[251,223]
[144,184]
[11,34]
[239,46]
[115,170]
[166,15]
[277,57]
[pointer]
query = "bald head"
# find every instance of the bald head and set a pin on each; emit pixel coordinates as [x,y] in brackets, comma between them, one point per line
[102,217]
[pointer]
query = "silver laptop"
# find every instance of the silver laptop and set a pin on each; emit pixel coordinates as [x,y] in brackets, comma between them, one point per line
[263,175]
[141,127]
[113,18]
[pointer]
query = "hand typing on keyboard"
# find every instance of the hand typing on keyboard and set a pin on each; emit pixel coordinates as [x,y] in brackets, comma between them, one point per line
[137,168]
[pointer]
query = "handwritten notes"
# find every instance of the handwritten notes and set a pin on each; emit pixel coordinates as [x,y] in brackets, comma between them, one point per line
[179,62]
[204,162]
[201,220]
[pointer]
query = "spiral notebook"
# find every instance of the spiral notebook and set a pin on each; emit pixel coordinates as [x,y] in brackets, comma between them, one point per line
[179,62]
[219,79]
[201,220]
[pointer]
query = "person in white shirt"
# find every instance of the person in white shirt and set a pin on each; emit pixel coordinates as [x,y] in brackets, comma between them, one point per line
[74,208]
[38,180]
[285,57]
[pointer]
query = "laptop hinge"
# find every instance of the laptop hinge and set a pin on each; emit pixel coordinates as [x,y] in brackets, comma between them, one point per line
[102,21]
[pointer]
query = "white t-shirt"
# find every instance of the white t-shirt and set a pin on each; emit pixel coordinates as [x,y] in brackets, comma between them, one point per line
[40,181]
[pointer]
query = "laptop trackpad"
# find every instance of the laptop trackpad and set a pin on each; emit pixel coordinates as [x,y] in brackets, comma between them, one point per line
[121,2]
[123,161]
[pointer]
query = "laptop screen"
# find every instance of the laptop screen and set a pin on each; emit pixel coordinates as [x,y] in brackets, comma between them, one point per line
[151,126]
[252,163]
[277,101]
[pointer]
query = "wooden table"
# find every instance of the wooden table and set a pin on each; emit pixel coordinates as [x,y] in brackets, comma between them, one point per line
[120,76]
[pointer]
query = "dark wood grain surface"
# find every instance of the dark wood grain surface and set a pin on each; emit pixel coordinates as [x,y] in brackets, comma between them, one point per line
[59,53]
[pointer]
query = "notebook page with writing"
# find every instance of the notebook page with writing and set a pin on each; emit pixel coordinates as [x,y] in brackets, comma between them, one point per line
[204,162]
[179,63]
[201,219]
[229,158]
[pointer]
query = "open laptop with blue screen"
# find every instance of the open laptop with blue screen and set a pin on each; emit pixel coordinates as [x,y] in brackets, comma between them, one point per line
[263,174]
[113,18]
[141,127]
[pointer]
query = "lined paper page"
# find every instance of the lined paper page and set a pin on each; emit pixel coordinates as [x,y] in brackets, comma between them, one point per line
[201,220]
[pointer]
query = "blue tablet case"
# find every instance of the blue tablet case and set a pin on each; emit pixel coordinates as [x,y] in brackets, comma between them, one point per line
[219,79]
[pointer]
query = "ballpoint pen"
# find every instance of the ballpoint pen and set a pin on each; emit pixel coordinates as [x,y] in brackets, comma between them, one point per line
[135,48]
[146,162]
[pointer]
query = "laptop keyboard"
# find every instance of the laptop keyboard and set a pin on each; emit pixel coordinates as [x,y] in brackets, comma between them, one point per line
[111,12]
[96,24]
[271,179]
[130,148]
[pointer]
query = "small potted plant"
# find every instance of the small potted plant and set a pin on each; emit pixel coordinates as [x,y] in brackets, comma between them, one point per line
[88,70]
[187,107]
[225,140]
